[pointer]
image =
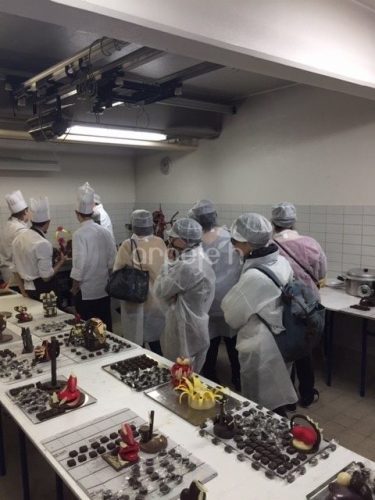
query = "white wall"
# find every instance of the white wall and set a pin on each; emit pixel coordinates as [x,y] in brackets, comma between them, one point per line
[111,176]
[312,146]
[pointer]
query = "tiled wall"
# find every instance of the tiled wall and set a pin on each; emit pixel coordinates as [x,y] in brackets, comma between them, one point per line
[346,233]
[63,215]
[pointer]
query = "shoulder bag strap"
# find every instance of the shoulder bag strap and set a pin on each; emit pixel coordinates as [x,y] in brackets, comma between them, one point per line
[272,276]
[298,263]
[134,244]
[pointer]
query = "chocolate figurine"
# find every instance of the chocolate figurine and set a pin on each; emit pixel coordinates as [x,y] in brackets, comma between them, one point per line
[196,491]
[49,301]
[69,396]
[224,424]
[95,333]
[27,341]
[129,448]
[4,337]
[126,453]
[92,334]
[354,485]
[306,438]
[151,442]
[23,316]
[180,370]
[43,352]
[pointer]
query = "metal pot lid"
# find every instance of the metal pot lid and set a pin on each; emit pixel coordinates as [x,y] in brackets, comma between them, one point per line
[361,273]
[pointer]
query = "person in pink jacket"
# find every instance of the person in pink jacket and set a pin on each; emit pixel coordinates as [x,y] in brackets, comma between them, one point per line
[309,264]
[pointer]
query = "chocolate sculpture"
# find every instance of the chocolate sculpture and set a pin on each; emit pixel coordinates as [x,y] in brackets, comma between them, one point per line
[224,424]
[92,334]
[196,491]
[180,370]
[199,395]
[126,453]
[27,341]
[49,301]
[69,396]
[42,352]
[23,316]
[4,337]
[306,438]
[354,484]
[151,442]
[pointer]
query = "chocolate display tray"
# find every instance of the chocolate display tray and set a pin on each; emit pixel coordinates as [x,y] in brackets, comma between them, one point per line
[258,428]
[139,379]
[101,481]
[320,493]
[14,395]
[19,367]
[169,398]
[79,354]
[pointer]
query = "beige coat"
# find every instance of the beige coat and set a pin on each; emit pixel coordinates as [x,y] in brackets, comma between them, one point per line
[142,322]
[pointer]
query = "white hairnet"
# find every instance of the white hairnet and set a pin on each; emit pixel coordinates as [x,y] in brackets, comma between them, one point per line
[203,207]
[252,228]
[142,218]
[284,214]
[187,229]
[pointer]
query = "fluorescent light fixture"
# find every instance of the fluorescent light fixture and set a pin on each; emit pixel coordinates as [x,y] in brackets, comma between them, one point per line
[104,134]
[107,140]
[117,103]
[29,165]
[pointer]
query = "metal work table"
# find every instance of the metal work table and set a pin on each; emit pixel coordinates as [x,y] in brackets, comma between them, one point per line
[338,301]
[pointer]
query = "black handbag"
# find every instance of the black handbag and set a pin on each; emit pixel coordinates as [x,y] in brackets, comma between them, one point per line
[129,283]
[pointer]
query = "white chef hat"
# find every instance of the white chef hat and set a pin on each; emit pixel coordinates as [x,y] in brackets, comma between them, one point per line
[16,202]
[39,209]
[85,199]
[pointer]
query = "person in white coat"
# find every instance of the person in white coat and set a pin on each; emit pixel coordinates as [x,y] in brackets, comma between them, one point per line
[187,285]
[17,222]
[102,215]
[143,322]
[227,267]
[265,377]
[33,253]
[94,253]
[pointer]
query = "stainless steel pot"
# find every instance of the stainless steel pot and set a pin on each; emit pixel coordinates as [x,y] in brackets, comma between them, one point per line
[359,282]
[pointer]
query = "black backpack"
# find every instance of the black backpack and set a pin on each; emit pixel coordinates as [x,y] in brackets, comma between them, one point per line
[303,318]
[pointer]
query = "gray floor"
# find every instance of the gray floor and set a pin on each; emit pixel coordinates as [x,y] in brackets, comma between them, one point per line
[341,412]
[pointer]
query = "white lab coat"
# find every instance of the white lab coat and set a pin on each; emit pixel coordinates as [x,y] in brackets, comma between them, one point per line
[142,322]
[11,229]
[32,257]
[94,253]
[188,286]
[227,268]
[104,218]
[264,374]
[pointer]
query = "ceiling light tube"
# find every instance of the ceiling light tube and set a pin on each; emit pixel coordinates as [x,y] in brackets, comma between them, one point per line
[106,140]
[113,133]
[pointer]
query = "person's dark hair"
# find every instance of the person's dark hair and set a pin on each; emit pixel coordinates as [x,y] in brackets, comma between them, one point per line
[278,229]
[20,215]
[39,224]
[85,216]
[143,231]
[207,221]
